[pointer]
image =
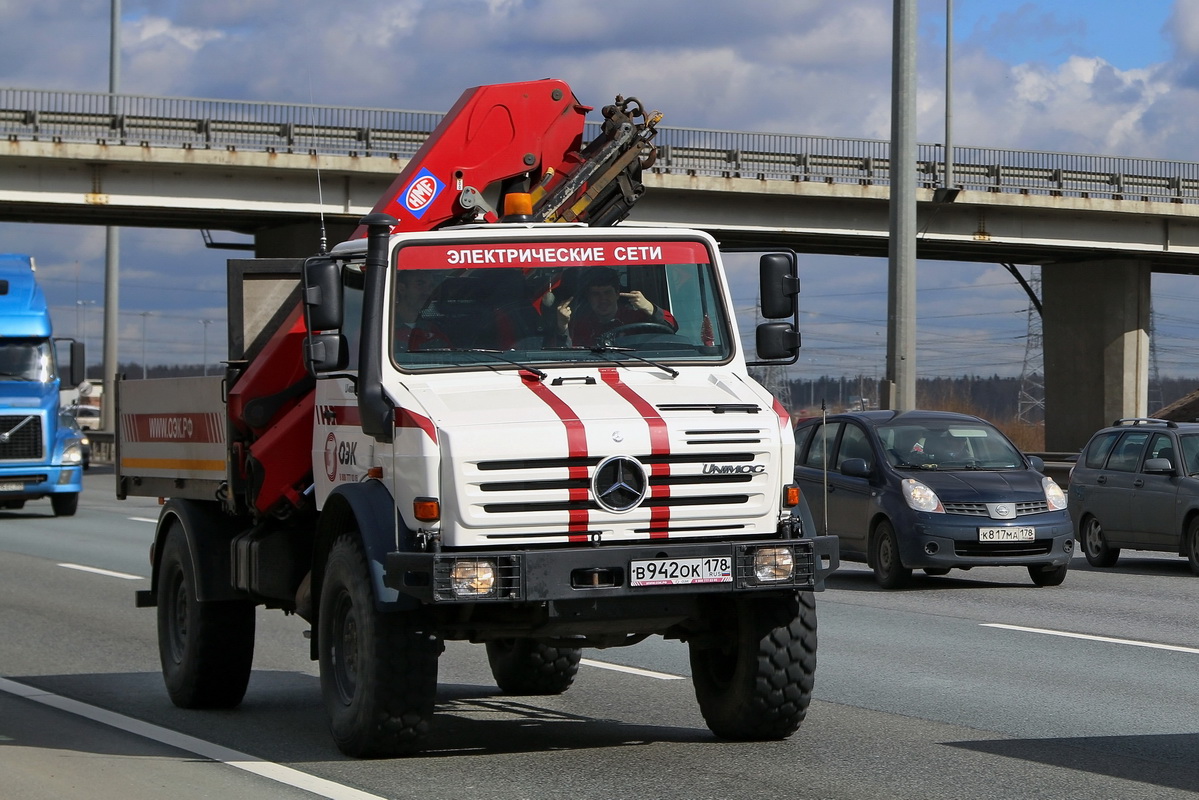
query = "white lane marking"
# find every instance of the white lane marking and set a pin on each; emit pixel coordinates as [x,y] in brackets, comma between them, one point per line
[107,572]
[143,519]
[645,673]
[1110,640]
[213,752]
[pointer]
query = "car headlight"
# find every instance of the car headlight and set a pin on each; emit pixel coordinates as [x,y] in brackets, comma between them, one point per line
[920,497]
[473,578]
[1054,495]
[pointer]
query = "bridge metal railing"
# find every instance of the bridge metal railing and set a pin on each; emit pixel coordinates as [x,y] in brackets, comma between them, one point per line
[334,130]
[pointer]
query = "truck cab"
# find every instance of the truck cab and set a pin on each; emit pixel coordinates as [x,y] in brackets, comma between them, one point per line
[41,450]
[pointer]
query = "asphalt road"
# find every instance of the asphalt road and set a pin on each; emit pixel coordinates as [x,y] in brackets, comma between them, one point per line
[964,686]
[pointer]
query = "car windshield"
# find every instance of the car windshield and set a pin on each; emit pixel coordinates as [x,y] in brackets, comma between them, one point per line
[948,446]
[531,303]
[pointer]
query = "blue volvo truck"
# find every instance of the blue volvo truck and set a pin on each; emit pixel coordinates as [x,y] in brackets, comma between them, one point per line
[41,449]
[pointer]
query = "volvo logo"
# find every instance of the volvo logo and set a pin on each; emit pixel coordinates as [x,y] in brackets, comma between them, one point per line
[619,483]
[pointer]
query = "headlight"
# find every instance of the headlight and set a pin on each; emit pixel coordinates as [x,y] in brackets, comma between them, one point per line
[920,497]
[1054,495]
[472,578]
[73,452]
[773,564]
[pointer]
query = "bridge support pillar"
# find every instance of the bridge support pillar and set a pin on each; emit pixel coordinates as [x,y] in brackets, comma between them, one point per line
[299,240]
[1096,346]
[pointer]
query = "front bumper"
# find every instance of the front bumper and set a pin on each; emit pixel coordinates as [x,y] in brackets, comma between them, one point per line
[593,573]
[949,543]
[26,483]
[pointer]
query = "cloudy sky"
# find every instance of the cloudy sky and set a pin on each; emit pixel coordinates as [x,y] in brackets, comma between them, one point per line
[1086,76]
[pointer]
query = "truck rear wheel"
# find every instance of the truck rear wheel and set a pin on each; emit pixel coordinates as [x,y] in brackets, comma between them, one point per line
[755,681]
[526,666]
[206,648]
[378,677]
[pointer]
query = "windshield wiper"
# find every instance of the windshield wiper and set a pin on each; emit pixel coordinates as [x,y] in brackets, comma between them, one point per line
[484,351]
[601,349]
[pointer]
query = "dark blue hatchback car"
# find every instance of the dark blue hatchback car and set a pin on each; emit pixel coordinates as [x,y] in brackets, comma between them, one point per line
[931,490]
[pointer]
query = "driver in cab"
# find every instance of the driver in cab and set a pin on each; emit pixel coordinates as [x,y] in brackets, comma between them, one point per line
[605,308]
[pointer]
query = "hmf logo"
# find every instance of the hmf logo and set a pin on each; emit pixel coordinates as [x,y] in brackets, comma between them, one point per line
[734,469]
[339,454]
[421,193]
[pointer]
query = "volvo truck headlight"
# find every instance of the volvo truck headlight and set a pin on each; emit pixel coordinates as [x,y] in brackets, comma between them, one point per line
[473,578]
[72,453]
[772,564]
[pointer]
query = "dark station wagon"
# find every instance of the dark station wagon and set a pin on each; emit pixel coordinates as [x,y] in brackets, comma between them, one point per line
[931,490]
[1135,486]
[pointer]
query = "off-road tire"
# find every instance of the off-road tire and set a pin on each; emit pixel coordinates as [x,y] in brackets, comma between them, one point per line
[754,679]
[206,648]
[378,671]
[1095,546]
[889,571]
[1051,576]
[529,667]
[65,504]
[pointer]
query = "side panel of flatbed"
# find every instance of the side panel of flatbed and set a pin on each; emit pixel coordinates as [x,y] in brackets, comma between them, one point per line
[171,437]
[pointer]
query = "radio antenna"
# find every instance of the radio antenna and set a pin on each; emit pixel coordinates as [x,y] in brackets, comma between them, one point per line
[320,196]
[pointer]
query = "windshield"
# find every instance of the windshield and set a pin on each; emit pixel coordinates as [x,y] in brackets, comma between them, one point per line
[948,446]
[507,304]
[27,360]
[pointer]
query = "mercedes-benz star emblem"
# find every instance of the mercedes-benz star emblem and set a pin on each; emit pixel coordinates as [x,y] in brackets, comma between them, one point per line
[619,483]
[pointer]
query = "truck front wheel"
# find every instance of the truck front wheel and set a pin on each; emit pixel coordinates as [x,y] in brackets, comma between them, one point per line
[526,666]
[65,505]
[378,675]
[206,648]
[754,680]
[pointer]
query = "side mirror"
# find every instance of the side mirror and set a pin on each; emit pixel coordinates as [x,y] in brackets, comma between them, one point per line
[322,294]
[1036,462]
[777,340]
[1158,466]
[855,468]
[78,371]
[326,352]
[778,285]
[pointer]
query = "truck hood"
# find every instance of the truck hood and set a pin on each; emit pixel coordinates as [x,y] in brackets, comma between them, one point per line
[522,455]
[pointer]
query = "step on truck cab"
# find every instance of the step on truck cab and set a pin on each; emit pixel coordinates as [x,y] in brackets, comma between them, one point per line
[41,450]
[540,436]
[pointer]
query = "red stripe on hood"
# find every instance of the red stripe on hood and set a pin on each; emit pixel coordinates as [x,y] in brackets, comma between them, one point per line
[659,443]
[576,444]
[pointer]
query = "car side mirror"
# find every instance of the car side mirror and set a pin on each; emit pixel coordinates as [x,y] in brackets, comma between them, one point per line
[1158,466]
[855,468]
[1036,462]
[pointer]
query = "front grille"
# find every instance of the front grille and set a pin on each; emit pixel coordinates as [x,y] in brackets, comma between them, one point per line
[980,509]
[510,491]
[1039,547]
[24,440]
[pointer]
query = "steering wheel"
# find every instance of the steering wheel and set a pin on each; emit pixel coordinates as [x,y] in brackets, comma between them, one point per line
[632,328]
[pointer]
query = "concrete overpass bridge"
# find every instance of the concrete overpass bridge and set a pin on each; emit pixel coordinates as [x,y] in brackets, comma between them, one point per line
[1099,225]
